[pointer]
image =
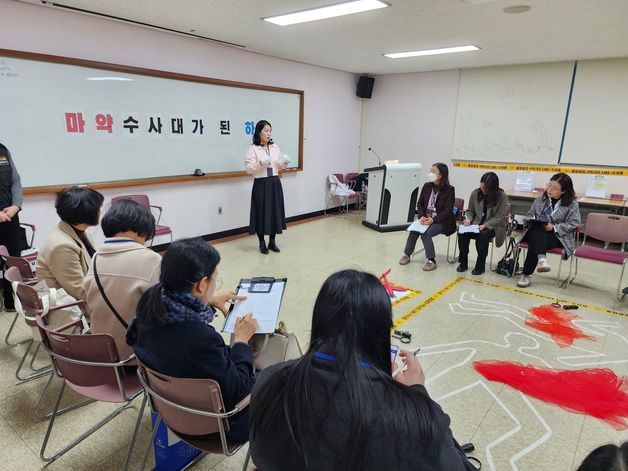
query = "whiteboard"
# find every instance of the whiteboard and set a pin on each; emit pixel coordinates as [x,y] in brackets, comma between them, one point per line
[597,129]
[512,113]
[65,124]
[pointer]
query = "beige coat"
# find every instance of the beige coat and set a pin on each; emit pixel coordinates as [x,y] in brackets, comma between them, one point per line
[495,215]
[63,260]
[126,270]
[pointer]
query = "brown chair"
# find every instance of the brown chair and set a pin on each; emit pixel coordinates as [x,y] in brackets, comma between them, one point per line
[193,410]
[143,200]
[89,365]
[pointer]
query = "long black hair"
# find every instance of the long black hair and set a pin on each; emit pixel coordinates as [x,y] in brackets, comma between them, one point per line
[607,458]
[566,186]
[186,262]
[258,129]
[491,185]
[352,319]
[444,174]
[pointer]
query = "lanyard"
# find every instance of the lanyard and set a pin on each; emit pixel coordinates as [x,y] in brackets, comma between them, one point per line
[115,241]
[432,202]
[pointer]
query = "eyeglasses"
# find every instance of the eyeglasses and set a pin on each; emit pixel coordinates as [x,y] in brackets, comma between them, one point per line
[218,281]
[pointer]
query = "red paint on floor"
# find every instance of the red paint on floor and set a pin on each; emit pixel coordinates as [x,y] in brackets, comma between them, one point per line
[558,323]
[597,392]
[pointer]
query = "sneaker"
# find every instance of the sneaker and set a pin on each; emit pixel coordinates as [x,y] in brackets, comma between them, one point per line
[404,260]
[543,266]
[524,282]
[461,268]
[429,265]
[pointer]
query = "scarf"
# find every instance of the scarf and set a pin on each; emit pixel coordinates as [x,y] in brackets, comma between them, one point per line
[186,307]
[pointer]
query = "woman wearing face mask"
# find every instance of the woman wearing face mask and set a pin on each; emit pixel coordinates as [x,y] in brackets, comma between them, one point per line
[171,332]
[264,160]
[488,206]
[555,216]
[435,208]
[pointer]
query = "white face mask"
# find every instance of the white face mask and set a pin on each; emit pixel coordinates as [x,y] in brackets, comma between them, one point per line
[431,177]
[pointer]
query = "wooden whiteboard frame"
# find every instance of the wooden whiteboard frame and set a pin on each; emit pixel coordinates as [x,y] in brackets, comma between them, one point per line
[160,74]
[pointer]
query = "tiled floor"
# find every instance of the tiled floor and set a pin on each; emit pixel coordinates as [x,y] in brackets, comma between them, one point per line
[455,323]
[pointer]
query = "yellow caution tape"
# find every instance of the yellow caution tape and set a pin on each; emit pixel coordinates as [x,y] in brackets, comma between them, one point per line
[619,171]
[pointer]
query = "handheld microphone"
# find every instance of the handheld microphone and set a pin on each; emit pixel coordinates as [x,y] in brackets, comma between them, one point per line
[379,161]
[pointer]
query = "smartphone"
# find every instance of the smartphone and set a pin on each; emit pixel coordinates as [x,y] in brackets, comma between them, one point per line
[394,349]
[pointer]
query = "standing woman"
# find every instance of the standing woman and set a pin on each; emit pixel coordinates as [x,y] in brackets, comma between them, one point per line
[11,199]
[435,208]
[558,216]
[264,160]
[488,207]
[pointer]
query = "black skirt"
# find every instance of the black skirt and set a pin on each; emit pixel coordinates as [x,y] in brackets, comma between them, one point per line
[267,211]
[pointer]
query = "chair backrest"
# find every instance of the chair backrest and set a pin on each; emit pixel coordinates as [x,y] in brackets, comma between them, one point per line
[4,252]
[607,227]
[99,348]
[12,275]
[459,208]
[140,199]
[21,264]
[340,177]
[351,176]
[201,394]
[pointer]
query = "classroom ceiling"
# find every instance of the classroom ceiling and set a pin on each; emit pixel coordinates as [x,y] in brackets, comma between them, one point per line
[552,30]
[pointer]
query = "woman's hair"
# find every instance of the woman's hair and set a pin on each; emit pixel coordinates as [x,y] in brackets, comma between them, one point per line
[444,174]
[258,129]
[128,216]
[607,458]
[491,185]
[352,320]
[186,262]
[79,205]
[566,185]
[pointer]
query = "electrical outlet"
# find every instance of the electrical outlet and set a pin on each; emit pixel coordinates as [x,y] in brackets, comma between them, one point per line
[219,210]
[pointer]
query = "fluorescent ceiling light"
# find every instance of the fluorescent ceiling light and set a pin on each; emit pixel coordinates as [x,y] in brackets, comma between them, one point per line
[331,11]
[431,52]
[121,79]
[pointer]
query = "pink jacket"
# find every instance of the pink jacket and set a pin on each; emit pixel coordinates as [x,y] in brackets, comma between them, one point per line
[257,160]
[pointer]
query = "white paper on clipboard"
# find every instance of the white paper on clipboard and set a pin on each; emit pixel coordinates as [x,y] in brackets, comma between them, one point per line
[264,307]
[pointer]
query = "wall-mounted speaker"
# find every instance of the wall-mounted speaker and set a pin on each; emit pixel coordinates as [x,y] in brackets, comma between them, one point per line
[365,86]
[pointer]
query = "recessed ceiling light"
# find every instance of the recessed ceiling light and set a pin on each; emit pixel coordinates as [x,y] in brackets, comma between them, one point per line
[330,11]
[431,52]
[517,9]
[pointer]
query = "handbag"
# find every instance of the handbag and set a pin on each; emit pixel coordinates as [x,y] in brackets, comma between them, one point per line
[273,348]
[507,266]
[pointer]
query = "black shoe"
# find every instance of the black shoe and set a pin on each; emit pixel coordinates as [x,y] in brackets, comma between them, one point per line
[272,246]
[263,249]
[477,271]
[461,268]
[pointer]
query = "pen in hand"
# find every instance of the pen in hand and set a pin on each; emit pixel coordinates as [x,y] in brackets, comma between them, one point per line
[403,364]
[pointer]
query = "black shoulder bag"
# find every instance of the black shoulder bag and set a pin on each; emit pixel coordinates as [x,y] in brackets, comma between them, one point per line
[104,296]
[508,266]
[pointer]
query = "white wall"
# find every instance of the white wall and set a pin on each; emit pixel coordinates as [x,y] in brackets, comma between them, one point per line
[411,117]
[331,119]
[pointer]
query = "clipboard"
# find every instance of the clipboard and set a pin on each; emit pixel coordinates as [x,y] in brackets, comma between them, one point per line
[264,297]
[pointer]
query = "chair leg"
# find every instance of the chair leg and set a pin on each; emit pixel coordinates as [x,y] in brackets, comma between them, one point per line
[150,442]
[34,356]
[7,338]
[60,411]
[490,262]
[248,457]
[455,259]
[620,296]
[135,432]
[36,374]
[78,439]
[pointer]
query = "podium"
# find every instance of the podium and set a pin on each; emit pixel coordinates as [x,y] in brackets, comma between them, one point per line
[393,190]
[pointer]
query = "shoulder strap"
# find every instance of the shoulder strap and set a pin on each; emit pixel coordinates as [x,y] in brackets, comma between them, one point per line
[104,296]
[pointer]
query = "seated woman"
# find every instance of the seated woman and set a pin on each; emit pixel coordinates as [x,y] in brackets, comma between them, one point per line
[65,255]
[554,218]
[125,270]
[488,207]
[435,208]
[171,333]
[338,406]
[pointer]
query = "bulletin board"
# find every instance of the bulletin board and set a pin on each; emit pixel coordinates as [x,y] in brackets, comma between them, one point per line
[69,121]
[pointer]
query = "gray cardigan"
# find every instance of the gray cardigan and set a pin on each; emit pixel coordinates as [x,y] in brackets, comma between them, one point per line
[565,220]
[495,215]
